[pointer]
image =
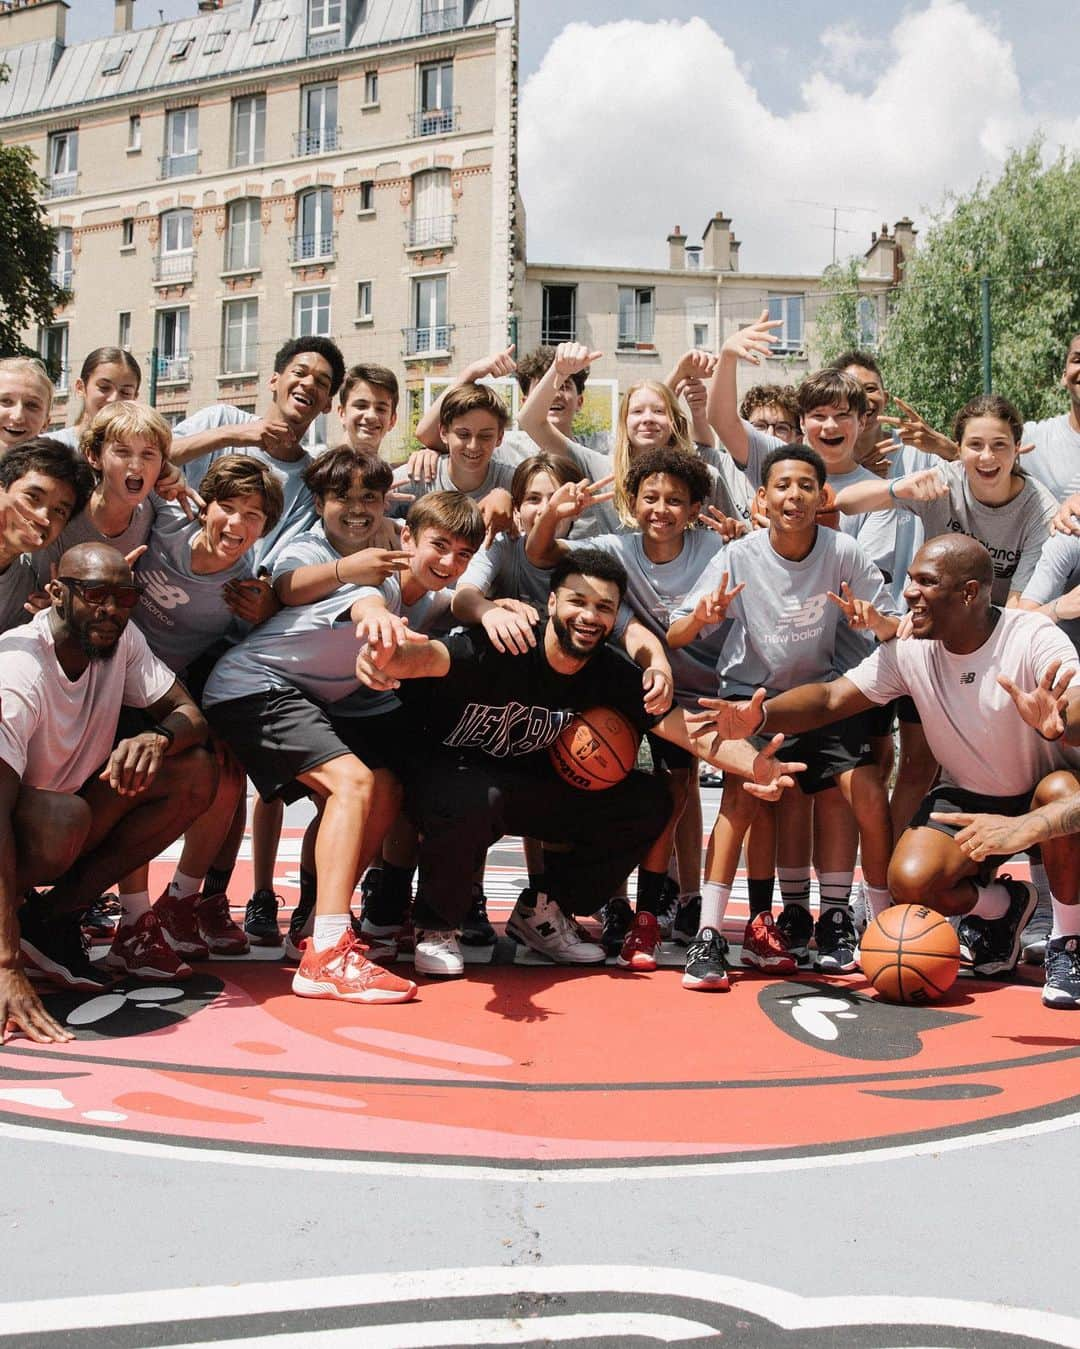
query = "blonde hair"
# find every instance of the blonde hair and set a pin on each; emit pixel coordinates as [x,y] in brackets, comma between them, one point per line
[29,365]
[623,453]
[117,421]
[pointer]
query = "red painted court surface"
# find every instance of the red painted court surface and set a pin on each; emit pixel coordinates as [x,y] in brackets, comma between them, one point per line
[528,1064]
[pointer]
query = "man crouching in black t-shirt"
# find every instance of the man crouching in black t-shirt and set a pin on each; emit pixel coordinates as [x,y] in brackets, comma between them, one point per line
[485,719]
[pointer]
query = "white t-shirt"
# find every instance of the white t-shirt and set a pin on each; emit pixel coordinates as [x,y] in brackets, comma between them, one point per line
[973,728]
[54,731]
[1055,460]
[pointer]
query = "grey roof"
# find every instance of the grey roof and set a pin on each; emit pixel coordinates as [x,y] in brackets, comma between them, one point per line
[252,35]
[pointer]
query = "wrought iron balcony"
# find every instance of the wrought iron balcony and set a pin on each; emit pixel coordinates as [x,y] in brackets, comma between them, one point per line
[174,269]
[179,166]
[430,231]
[312,247]
[435,121]
[425,341]
[317,140]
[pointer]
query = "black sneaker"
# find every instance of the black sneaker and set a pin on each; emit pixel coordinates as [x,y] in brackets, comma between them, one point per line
[381,910]
[260,919]
[668,910]
[369,888]
[475,928]
[706,963]
[687,921]
[102,917]
[59,949]
[300,927]
[796,925]
[836,942]
[1062,966]
[992,946]
[618,920]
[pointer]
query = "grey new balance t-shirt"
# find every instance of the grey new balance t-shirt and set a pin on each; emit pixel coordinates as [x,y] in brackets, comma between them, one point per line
[83,530]
[783,630]
[1013,533]
[504,572]
[1057,572]
[181,612]
[1055,460]
[499,474]
[298,515]
[656,590]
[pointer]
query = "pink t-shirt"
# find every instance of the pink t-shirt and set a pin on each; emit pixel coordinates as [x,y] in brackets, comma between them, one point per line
[54,731]
[972,725]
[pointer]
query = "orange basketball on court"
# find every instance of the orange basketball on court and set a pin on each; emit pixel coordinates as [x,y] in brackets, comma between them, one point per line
[910,954]
[596,750]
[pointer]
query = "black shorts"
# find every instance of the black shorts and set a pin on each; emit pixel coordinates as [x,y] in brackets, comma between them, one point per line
[827,751]
[279,734]
[951,800]
[907,712]
[879,720]
[665,754]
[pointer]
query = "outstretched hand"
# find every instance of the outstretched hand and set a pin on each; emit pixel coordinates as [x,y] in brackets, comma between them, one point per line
[21,1010]
[754,342]
[1043,708]
[729,720]
[712,607]
[771,777]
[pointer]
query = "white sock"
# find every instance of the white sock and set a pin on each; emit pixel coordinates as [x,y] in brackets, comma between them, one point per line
[714,902]
[329,929]
[1066,919]
[878,898]
[133,906]
[835,889]
[183,887]
[1040,880]
[991,901]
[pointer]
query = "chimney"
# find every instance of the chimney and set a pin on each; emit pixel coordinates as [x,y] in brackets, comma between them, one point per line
[718,241]
[676,243]
[904,233]
[881,255]
[123,16]
[33,21]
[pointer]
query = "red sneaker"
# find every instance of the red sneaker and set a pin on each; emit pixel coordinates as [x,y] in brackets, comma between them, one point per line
[177,920]
[140,949]
[217,929]
[344,971]
[764,947]
[641,944]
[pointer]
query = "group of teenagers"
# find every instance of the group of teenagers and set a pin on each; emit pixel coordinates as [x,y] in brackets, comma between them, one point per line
[770,585]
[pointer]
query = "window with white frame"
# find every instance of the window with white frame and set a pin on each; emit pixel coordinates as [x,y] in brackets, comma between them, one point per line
[181,142]
[363,300]
[62,257]
[249,129]
[371,86]
[240,337]
[311,313]
[636,311]
[429,331]
[868,321]
[314,238]
[789,309]
[367,195]
[432,220]
[53,348]
[436,16]
[123,329]
[63,163]
[559,321]
[127,232]
[176,256]
[243,234]
[323,14]
[134,132]
[173,346]
[435,114]
[318,119]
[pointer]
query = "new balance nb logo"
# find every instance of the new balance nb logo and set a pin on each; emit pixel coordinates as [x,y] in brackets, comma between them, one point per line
[968,677]
[159,589]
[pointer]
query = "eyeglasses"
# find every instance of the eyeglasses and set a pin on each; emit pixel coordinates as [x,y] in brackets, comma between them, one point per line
[97,592]
[774,428]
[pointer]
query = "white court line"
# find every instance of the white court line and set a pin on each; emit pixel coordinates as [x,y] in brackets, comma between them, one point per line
[520,1172]
[786,1309]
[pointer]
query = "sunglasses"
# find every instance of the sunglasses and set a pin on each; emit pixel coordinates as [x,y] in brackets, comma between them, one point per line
[97,592]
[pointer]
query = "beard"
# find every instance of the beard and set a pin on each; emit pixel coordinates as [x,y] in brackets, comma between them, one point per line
[568,644]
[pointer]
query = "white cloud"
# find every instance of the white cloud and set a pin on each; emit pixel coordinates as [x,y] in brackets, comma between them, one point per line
[629,128]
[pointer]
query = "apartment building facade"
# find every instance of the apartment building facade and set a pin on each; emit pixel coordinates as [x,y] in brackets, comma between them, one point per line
[269,168]
[643,319]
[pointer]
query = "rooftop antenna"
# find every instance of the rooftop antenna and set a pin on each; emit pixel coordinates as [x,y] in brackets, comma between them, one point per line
[831,206]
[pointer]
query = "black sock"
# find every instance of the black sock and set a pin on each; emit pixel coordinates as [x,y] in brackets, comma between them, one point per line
[650,890]
[216,882]
[761,895]
[307,886]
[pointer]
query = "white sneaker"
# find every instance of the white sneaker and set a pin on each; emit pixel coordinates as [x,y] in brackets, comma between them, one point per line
[542,925]
[438,953]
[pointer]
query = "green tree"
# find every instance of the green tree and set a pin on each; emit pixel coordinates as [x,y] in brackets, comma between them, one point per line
[837,325]
[28,294]
[1020,230]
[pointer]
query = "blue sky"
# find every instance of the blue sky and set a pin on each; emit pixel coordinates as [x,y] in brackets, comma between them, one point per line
[744,107]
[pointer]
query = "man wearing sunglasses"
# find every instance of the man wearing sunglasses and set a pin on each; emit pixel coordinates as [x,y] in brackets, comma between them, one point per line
[78,807]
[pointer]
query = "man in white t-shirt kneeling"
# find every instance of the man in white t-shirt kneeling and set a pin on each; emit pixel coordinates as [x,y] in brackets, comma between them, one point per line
[999,698]
[79,809]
